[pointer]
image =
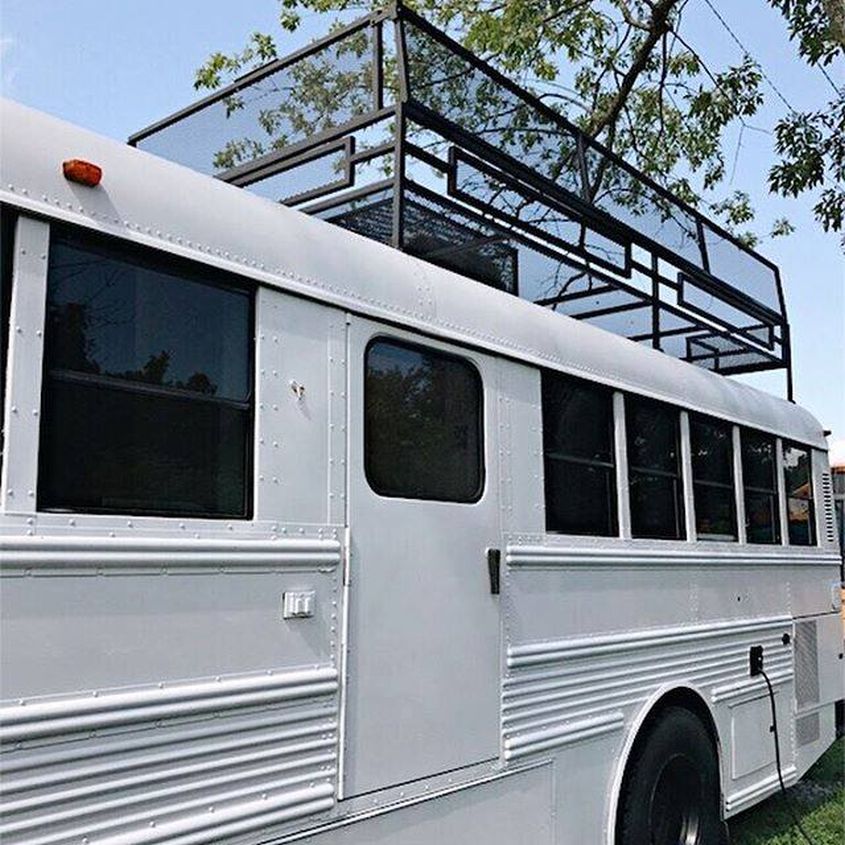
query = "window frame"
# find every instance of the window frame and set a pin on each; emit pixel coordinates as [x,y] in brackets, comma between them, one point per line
[478,379]
[731,485]
[611,467]
[813,540]
[680,490]
[151,258]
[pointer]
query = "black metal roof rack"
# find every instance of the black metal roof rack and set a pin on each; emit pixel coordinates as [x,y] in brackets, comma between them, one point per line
[390,128]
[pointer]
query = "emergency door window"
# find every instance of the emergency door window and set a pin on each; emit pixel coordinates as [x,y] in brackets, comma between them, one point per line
[422,423]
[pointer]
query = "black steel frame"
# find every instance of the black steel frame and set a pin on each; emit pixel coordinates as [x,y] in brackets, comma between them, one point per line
[758,340]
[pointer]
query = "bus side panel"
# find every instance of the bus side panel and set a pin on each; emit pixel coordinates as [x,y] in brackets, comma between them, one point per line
[154,685]
[137,699]
[515,808]
[564,688]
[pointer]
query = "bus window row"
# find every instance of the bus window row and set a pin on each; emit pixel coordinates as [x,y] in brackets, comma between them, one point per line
[581,471]
[148,409]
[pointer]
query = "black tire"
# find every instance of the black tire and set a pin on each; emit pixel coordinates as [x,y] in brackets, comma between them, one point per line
[670,792]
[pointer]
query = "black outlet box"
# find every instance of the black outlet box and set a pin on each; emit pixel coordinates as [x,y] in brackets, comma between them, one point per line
[755,660]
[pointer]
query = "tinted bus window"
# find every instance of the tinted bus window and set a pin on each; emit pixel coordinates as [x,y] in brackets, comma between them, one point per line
[580,476]
[759,479]
[712,479]
[148,384]
[423,423]
[654,469]
[798,482]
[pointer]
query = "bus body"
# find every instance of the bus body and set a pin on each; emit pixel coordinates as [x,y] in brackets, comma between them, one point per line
[302,538]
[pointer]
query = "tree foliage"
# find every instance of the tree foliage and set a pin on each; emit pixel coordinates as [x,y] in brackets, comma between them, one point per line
[811,145]
[624,71]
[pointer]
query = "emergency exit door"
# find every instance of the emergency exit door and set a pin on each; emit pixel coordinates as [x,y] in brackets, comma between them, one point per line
[423,664]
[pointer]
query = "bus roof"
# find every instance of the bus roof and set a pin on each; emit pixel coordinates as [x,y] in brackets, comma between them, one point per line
[156,202]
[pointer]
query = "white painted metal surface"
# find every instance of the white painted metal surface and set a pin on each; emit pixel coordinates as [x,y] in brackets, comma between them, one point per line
[26,322]
[155,690]
[423,665]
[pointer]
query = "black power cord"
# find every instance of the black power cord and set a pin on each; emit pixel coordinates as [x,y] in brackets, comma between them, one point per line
[786,799]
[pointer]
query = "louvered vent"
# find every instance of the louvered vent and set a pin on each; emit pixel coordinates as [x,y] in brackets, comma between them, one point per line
[827,505]
[807,729]
[806,664]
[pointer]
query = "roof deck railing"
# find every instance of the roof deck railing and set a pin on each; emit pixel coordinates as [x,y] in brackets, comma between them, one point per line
[390,128]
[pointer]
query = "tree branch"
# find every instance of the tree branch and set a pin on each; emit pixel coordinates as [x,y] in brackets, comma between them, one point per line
[658,26]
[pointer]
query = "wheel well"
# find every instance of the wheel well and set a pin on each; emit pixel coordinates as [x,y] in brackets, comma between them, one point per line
[679,697]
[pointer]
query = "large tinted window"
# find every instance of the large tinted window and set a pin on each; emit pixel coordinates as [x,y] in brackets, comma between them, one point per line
[578,456]
[798,482]
[148,384]
[654,469]
[759,480]
[712,477]
[423,423]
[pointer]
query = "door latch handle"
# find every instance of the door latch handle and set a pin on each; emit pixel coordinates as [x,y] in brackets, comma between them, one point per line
[494,564]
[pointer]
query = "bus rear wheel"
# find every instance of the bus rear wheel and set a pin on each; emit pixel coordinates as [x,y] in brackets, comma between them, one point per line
[670,792]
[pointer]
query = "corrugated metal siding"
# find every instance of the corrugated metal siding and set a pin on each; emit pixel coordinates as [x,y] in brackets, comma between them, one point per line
[172,763]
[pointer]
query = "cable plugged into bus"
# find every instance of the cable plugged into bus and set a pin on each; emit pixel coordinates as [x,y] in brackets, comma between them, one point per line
[755,669]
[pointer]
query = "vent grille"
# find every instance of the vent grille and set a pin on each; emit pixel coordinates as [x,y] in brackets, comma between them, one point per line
[827,506]
[807,729]
[806,664]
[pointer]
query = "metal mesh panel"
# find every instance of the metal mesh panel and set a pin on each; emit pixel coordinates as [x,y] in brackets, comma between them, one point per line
[723,352]
[371,216]
[806,664]
[443,236]
[807,729]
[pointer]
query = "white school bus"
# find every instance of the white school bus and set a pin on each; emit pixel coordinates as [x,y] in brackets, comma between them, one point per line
[306,539]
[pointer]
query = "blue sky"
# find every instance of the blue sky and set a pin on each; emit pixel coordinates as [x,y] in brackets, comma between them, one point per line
[114,67]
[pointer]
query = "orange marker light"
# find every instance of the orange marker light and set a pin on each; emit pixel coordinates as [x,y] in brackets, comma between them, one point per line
[83,172]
